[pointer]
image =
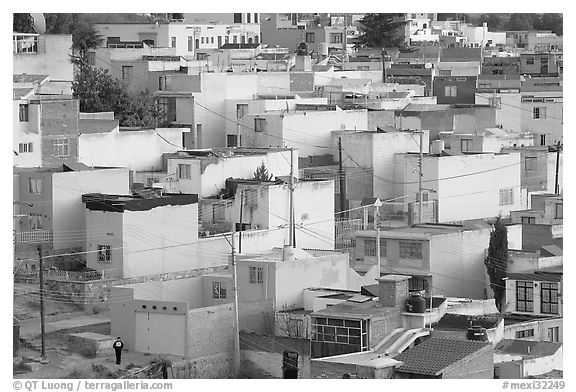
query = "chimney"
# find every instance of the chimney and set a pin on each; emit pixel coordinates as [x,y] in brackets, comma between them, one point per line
[393,291]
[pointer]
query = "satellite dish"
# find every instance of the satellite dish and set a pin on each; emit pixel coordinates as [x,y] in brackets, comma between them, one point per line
[428,65]
[39,23]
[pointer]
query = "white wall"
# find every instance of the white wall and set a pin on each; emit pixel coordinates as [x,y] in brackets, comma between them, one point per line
[68,209]
[135,150]
[510,112]
[159,240]
[552,125]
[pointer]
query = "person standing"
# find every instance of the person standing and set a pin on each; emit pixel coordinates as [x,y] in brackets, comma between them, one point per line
[118,346]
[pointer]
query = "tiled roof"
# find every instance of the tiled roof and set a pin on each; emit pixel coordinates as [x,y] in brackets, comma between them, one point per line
[527,347]
[25,78]
[435,355]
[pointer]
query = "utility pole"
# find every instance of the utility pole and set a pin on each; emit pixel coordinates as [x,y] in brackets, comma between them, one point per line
[421,157]
[240,225]
[42,326]
[377,227]
[238,116]
[556,185]
[292,237]
[236,322]
[342,177]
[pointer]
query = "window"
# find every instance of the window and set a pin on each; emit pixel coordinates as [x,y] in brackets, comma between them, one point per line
[36,221]
[370,247]
[524,334]
[61,148]
[542,140]
[168,106]
[256,275]
[539,113]
[23,112]
[91,58]
[309,38]
[184,172]
[530,60]
[201,40]
[553,334]
[255,18]
[218,290]
[173,42]
[104,254]
[497,72]
[559,211]
[149,42]
[234,39]
[256,38]
[164,82]
[549,298]
[259,125]
[24,147]
[237,18]
[248,18]
[126,71]
[34,185]
[506,196]
[410,250]
[465,145]
[450,91]
[417,284]
[528,220]
[211,40]
[341,331]
[226,39]
[231,140]
[524,296]
[495,102]
[335,38]
[190,43]
[241,109]
[530,163]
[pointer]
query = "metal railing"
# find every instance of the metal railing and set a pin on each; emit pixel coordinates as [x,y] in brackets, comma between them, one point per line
[33,236]
[25,43]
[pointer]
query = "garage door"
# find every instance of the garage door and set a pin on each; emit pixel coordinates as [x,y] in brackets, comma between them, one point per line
[160,333]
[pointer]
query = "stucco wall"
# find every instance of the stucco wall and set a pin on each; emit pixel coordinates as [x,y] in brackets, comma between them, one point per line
[135,150]
[511,302]
[68,209]
[153,239]
[540,327]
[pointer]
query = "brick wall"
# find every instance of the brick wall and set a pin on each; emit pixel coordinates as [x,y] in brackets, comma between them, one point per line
[256,316]
[59,119]
[478,365]
[94,296]
[211,331]
[215,366]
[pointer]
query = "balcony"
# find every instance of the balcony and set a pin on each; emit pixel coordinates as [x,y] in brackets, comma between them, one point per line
[34,236]
[25,43]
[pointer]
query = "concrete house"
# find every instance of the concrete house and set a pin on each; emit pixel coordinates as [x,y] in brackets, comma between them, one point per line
[536,294]
[538,171]
[204,172]
[542,108]
[502,92]
[491,182]
[48,203]
[374,151]
[515,359]
[266,205]
[308,128]
[45,127]
[491,140]
[432,254]
[45,54]
[145,236]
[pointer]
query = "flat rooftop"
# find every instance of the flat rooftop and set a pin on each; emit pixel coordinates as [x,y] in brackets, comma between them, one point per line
[121,203]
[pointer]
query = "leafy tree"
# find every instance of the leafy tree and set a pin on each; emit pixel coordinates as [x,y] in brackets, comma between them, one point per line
[85,37]
[522,21]
[382,30]
[61,23]
[494,21]
[552,22]
[98,91]
[497,260]
[22,23]
[261,173]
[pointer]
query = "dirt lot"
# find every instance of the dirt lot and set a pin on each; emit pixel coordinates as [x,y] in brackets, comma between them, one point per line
[64,364]
[27,303]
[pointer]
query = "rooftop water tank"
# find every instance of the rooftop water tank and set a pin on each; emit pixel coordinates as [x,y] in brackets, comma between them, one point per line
[416,304]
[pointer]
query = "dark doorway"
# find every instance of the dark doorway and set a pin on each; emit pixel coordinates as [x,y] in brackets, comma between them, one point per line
[290,364]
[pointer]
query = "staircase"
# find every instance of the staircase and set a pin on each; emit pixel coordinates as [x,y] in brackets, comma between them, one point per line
[399,340]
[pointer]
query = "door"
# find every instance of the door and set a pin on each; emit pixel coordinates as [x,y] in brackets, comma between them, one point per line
[544,66]
[290,364]
[160,333]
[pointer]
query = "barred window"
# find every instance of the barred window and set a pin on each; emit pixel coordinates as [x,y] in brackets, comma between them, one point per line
[184,172]
[61,149]
[410,250]
[527,333]
[506,196]
[549,298]
[218,290]
[370,247]
[104,254]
